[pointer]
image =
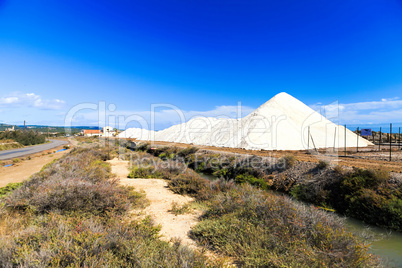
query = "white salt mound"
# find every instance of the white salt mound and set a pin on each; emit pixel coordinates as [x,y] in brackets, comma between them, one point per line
[282,123]
[136,133]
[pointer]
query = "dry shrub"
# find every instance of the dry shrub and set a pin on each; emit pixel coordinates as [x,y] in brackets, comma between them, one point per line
[55,240]
[286,162]
[77,182]
[260,229]
[188,183]
[322,164]
[178,209]
[144,165]
[339,169]
[71,215]
[72,195]
[283,183]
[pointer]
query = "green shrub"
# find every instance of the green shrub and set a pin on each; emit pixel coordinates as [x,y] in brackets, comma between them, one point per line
[368,195]
[258,182]
[180,209]
[189,183]
[143,147]
[9,188]
[286,162]
[186,152]
[144,172]
[322,164]
[364,178]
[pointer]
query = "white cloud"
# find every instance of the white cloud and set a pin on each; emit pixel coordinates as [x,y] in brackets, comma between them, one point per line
[19,99]
[373,112]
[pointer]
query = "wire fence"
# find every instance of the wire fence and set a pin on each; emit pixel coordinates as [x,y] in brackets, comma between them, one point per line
[384,138]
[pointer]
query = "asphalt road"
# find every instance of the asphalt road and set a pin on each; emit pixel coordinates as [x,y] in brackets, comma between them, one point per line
[13,153]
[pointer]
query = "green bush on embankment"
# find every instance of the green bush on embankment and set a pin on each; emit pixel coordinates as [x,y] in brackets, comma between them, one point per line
[369,195]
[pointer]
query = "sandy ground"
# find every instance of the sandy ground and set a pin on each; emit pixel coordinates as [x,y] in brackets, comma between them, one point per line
[161,199]
[23,170]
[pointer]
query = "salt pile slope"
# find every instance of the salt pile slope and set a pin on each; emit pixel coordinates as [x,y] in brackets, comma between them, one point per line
[282,123]
[136,133]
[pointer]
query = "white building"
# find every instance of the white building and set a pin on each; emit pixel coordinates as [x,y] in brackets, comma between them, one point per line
[108,132]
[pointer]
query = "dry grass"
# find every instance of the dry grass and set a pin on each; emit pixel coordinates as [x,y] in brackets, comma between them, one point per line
[178,209]
[71,214]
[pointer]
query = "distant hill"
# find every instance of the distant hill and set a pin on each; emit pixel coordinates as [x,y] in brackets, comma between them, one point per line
[44,128]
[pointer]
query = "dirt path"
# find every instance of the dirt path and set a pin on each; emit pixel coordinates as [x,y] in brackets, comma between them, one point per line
[23,170]
[161,199]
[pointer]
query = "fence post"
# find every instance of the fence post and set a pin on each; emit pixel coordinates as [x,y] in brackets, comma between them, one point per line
[390,140]
[379,142]
[357,140]
[345,140]
[315,148]
[335,139]
[373,136]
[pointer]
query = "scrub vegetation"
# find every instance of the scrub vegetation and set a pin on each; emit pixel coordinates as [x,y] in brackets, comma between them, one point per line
[368,195]
[23,137]
[257,227]
[73,214]
[7,144]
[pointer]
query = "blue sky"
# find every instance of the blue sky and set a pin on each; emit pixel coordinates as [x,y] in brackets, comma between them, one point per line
[201,56]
